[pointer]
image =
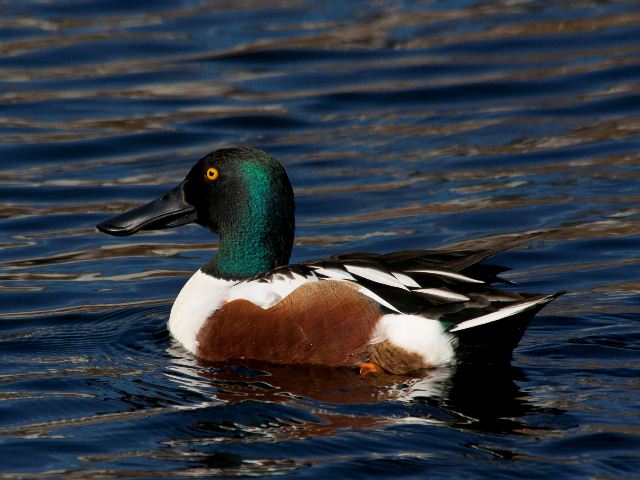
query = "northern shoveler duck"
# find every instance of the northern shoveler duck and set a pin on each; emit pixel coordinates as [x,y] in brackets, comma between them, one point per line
[399,312]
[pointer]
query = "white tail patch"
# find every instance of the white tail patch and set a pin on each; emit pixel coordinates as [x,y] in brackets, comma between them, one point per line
[377,298]
[375,276]
[436,292]
[500,314]
[442,273]
[417,334]
[406,280]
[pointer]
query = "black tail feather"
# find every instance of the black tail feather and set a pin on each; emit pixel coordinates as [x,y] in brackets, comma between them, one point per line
[495,341]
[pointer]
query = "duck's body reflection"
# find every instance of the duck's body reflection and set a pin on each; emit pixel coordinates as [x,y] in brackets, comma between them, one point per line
[458,397]
[277,383]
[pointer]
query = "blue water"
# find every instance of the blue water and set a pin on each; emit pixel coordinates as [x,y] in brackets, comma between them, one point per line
[402,125]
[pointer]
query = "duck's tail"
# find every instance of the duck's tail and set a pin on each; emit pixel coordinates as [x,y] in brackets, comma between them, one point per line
[493,336]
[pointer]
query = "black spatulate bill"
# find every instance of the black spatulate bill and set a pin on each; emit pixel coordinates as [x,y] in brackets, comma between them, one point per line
[170,210]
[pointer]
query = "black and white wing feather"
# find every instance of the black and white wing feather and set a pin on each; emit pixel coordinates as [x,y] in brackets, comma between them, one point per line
[447,285]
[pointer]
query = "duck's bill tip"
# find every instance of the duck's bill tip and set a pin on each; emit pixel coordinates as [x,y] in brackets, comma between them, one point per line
[115,230]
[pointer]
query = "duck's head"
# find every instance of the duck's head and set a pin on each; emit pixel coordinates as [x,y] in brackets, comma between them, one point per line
[242,194]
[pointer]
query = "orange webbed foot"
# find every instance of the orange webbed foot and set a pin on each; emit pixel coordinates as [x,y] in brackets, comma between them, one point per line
[366,368]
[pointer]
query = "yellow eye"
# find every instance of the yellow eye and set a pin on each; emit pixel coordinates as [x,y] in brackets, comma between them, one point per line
[212,174]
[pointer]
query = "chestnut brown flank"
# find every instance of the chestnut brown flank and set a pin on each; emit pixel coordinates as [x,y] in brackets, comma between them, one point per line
[321,323]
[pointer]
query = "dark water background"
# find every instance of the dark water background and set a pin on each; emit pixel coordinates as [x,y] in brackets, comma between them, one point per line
[402,125]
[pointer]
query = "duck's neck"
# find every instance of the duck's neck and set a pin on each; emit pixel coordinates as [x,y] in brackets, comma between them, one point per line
[249,250]
[256,233]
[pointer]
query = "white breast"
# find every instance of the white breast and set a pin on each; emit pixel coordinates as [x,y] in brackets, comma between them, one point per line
[199,298]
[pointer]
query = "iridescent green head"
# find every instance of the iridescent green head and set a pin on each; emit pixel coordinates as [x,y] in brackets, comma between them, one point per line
[242,194]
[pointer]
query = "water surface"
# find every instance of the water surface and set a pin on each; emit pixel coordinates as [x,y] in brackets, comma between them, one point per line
[412,124]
